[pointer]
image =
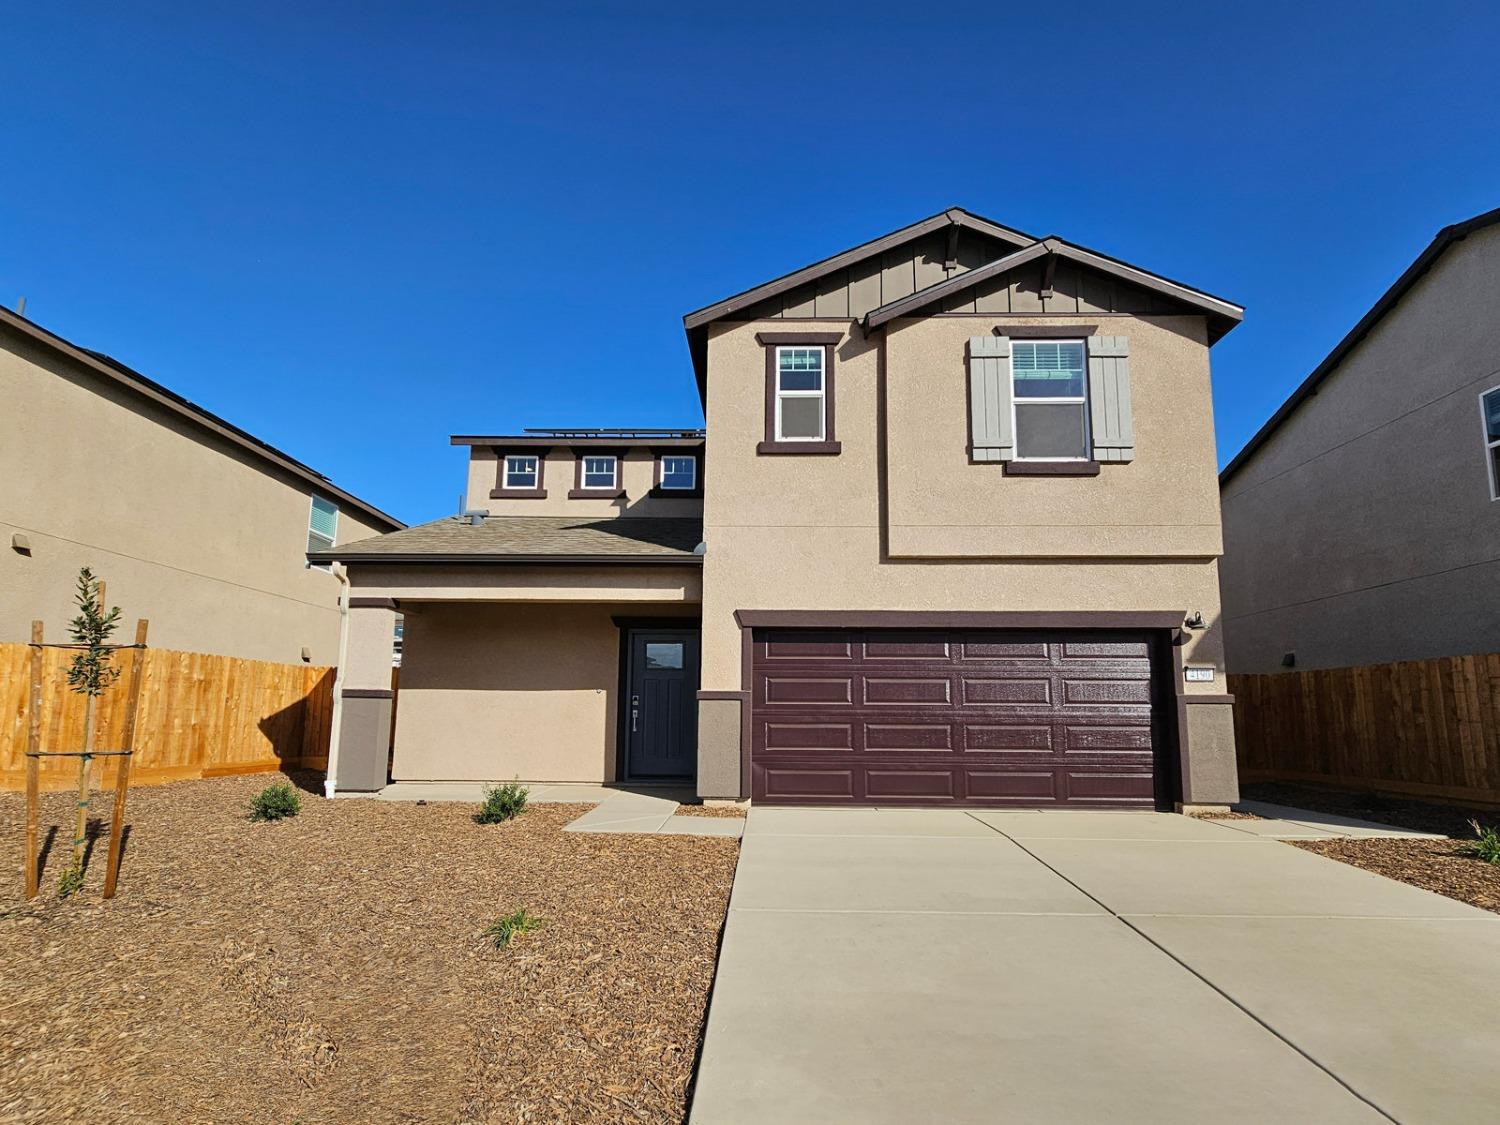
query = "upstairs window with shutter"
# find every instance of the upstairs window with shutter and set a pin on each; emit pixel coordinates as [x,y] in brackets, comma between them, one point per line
[322,524]
[1050,397]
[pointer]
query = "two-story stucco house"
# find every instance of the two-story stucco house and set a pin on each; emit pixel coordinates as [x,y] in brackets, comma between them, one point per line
[193,523]
[950,538]
[1362,522]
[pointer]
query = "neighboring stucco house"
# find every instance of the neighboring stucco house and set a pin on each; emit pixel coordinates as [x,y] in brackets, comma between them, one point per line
[951,538]
[1361,523]
[192,522]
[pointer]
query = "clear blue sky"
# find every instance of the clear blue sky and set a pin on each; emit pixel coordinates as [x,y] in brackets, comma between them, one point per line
[327,221]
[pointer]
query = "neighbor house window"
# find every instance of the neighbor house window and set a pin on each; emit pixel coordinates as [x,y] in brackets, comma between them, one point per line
[1050,400]
[1489,407]
[322,524]
[679,473]
[799,394]
[521,471]
[601,472]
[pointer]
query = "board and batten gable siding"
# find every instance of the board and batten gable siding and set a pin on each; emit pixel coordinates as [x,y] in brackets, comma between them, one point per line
[187,529]
[1363,531]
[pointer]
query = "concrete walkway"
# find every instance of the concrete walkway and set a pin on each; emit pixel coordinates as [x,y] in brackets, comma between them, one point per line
[647,809]
[904,965]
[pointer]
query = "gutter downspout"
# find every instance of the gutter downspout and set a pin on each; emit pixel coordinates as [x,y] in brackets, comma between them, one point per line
[330,782]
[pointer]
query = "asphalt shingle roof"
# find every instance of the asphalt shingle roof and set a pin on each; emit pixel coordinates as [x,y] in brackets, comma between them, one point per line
[543,538]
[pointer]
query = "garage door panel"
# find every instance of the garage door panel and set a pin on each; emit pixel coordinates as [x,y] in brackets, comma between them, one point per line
[980,690]
[896,784]
[991,738]
[907,690]
[909,737]
[804,690]
[986,718]
[1110,692]
[809,736]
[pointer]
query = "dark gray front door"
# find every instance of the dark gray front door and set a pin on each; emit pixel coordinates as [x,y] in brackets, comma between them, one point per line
[661,705]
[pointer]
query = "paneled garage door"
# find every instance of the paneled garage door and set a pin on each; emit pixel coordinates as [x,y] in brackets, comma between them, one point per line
[953,717]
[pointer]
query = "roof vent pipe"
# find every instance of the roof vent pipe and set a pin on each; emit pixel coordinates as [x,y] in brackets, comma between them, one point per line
[475,516]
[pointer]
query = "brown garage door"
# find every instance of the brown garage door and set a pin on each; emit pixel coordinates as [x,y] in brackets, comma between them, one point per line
[953,717]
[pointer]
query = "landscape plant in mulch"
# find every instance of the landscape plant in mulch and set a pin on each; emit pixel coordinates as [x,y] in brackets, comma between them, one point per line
[275,802]
[505,929]
[90,674]
[502,803]
[1486,845]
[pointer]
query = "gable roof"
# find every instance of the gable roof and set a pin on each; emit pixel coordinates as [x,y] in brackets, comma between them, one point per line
[1445,238]
[1223,315]
[116,372]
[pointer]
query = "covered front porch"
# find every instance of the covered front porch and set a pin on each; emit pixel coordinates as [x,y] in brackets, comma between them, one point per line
[582,670]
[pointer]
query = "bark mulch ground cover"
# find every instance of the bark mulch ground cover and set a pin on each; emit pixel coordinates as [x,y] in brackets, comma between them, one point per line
[331,967]
[1434,865]
[1232,814]
[729,812]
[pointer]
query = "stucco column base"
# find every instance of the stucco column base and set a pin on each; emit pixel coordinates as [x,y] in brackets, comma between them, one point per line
[719,777]
[361,759]
[1213,774]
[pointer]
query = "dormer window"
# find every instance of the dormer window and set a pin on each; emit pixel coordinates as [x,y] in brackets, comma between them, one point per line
[601,472]
[679,473]
[521,471]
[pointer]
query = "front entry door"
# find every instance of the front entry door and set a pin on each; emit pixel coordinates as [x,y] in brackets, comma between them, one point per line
[661,705]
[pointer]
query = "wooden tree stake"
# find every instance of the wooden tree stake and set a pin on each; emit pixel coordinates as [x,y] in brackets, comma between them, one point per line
[127,743]
[33,763]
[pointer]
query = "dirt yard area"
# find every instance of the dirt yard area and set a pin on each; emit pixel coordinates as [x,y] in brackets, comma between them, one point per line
[1434,865]
[332,967]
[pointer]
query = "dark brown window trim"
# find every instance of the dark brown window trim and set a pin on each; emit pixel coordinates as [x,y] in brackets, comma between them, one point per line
[578,492]
[595,493]
[1045,331]
[374,603]
[1051,468]
[500,492]
[658,492]
[829,446]
[367,693]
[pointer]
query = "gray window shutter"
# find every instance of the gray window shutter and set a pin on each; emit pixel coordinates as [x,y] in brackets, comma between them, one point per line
[991,427]
[1109,398]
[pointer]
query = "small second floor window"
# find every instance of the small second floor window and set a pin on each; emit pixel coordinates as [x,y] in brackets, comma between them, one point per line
[1489,406]
[679,472]
[1050,384]
[600,472]
[322,524]
[521,471]
[799,394]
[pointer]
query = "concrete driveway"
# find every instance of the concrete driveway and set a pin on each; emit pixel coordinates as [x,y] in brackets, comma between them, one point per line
[906,966]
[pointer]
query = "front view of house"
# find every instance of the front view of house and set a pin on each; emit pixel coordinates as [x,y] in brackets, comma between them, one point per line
[950,537]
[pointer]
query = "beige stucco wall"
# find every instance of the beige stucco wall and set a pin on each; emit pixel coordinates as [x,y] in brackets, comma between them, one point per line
[187,530]
[799,532]
[494,692]
[656,583]
[637,477]
[1364,531]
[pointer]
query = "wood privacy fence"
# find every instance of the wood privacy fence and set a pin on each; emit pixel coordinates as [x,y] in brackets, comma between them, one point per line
[1425,728]
[200,716]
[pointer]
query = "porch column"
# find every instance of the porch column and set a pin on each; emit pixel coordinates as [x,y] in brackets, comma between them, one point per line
[359,761]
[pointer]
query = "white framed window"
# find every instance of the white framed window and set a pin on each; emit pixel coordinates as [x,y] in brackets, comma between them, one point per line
[1049,398]
[522,470]
[679,472]
[801,397]
[602,471]
[322,524]
[1489,413]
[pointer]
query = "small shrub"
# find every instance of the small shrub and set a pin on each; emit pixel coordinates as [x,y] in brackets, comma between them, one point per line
[504,929]
[502,802]
[275,802]
[70,882]
[1486,846]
